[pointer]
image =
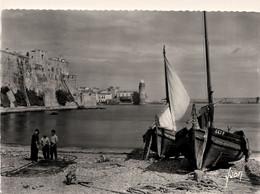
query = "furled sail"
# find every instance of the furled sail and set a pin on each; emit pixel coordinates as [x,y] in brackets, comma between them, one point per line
[178,99]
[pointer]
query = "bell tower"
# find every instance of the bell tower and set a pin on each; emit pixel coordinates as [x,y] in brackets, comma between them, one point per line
[142,92]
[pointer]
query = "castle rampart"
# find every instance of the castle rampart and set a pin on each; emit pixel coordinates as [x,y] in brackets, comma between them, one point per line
[36,75]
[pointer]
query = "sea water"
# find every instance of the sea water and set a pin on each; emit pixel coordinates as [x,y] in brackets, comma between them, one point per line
[118,126]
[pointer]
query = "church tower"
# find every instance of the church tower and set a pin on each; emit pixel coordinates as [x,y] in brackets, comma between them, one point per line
[142,94]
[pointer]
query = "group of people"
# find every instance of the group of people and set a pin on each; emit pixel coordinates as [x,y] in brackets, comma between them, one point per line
[49,146]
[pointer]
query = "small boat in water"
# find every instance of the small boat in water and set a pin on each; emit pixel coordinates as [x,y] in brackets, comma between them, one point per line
[160,137]
[53,113]
[205,145]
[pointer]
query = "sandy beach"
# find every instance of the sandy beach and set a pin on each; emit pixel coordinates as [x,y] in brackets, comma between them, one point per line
[116,171]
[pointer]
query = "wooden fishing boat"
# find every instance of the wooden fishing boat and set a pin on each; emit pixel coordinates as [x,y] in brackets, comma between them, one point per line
[159,140]
[160,137]
[205,145]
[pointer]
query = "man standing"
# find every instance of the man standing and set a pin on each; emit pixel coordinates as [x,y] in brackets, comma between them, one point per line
[35,145]
[54,141]
[45,142]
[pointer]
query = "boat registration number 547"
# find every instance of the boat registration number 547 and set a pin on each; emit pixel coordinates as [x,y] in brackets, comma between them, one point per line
[219,132]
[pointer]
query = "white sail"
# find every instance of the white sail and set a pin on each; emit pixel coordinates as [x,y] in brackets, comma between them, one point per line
[178,100]
[165,118]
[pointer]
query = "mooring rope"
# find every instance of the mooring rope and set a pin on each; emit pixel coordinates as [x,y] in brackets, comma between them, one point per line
[86,184]
[204,184]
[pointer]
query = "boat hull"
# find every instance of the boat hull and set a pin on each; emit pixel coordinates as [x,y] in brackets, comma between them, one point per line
[207,148]
[223,147]
[162,142]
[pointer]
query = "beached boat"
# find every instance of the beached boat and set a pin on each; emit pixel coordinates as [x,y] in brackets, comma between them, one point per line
[160,137]
[205,145]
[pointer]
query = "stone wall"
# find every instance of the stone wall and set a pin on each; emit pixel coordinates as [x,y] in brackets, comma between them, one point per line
[13,74]
[50,89]
[86,99]
[12,69]
[70,81]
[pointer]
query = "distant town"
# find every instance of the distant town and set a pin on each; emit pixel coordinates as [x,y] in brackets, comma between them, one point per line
[116,95]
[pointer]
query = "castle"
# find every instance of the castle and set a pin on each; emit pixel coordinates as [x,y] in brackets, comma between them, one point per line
[34,79]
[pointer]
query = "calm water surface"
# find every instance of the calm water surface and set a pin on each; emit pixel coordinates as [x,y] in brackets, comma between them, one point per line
[120,126]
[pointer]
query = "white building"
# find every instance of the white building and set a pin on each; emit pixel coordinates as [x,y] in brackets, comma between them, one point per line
[105,95]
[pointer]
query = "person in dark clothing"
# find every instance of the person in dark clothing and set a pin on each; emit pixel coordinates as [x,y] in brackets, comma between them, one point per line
[35,145]
[45,142]
[54,141]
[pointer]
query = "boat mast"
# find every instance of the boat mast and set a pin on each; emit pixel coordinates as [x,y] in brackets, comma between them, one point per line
[209,86]
[166,82]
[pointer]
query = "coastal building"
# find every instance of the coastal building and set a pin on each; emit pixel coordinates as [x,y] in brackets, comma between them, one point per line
[96,92]
[111,95]
[86,97]
[125,95]
[51,67]
[113,91]
[91,91]
[104,96]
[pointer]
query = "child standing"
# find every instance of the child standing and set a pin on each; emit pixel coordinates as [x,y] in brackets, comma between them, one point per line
[45,142]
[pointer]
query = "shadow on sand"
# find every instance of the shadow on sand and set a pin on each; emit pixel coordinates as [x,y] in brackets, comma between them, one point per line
[136,154]
[41,168]
[171,165]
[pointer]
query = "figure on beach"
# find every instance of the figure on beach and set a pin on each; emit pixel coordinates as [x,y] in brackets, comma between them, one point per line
[54,141]
[45,142]
[35,145]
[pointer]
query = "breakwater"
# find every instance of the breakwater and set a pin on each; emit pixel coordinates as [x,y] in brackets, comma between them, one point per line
[253,100]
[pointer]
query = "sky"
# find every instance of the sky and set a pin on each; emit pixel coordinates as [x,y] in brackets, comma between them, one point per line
[119,48]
